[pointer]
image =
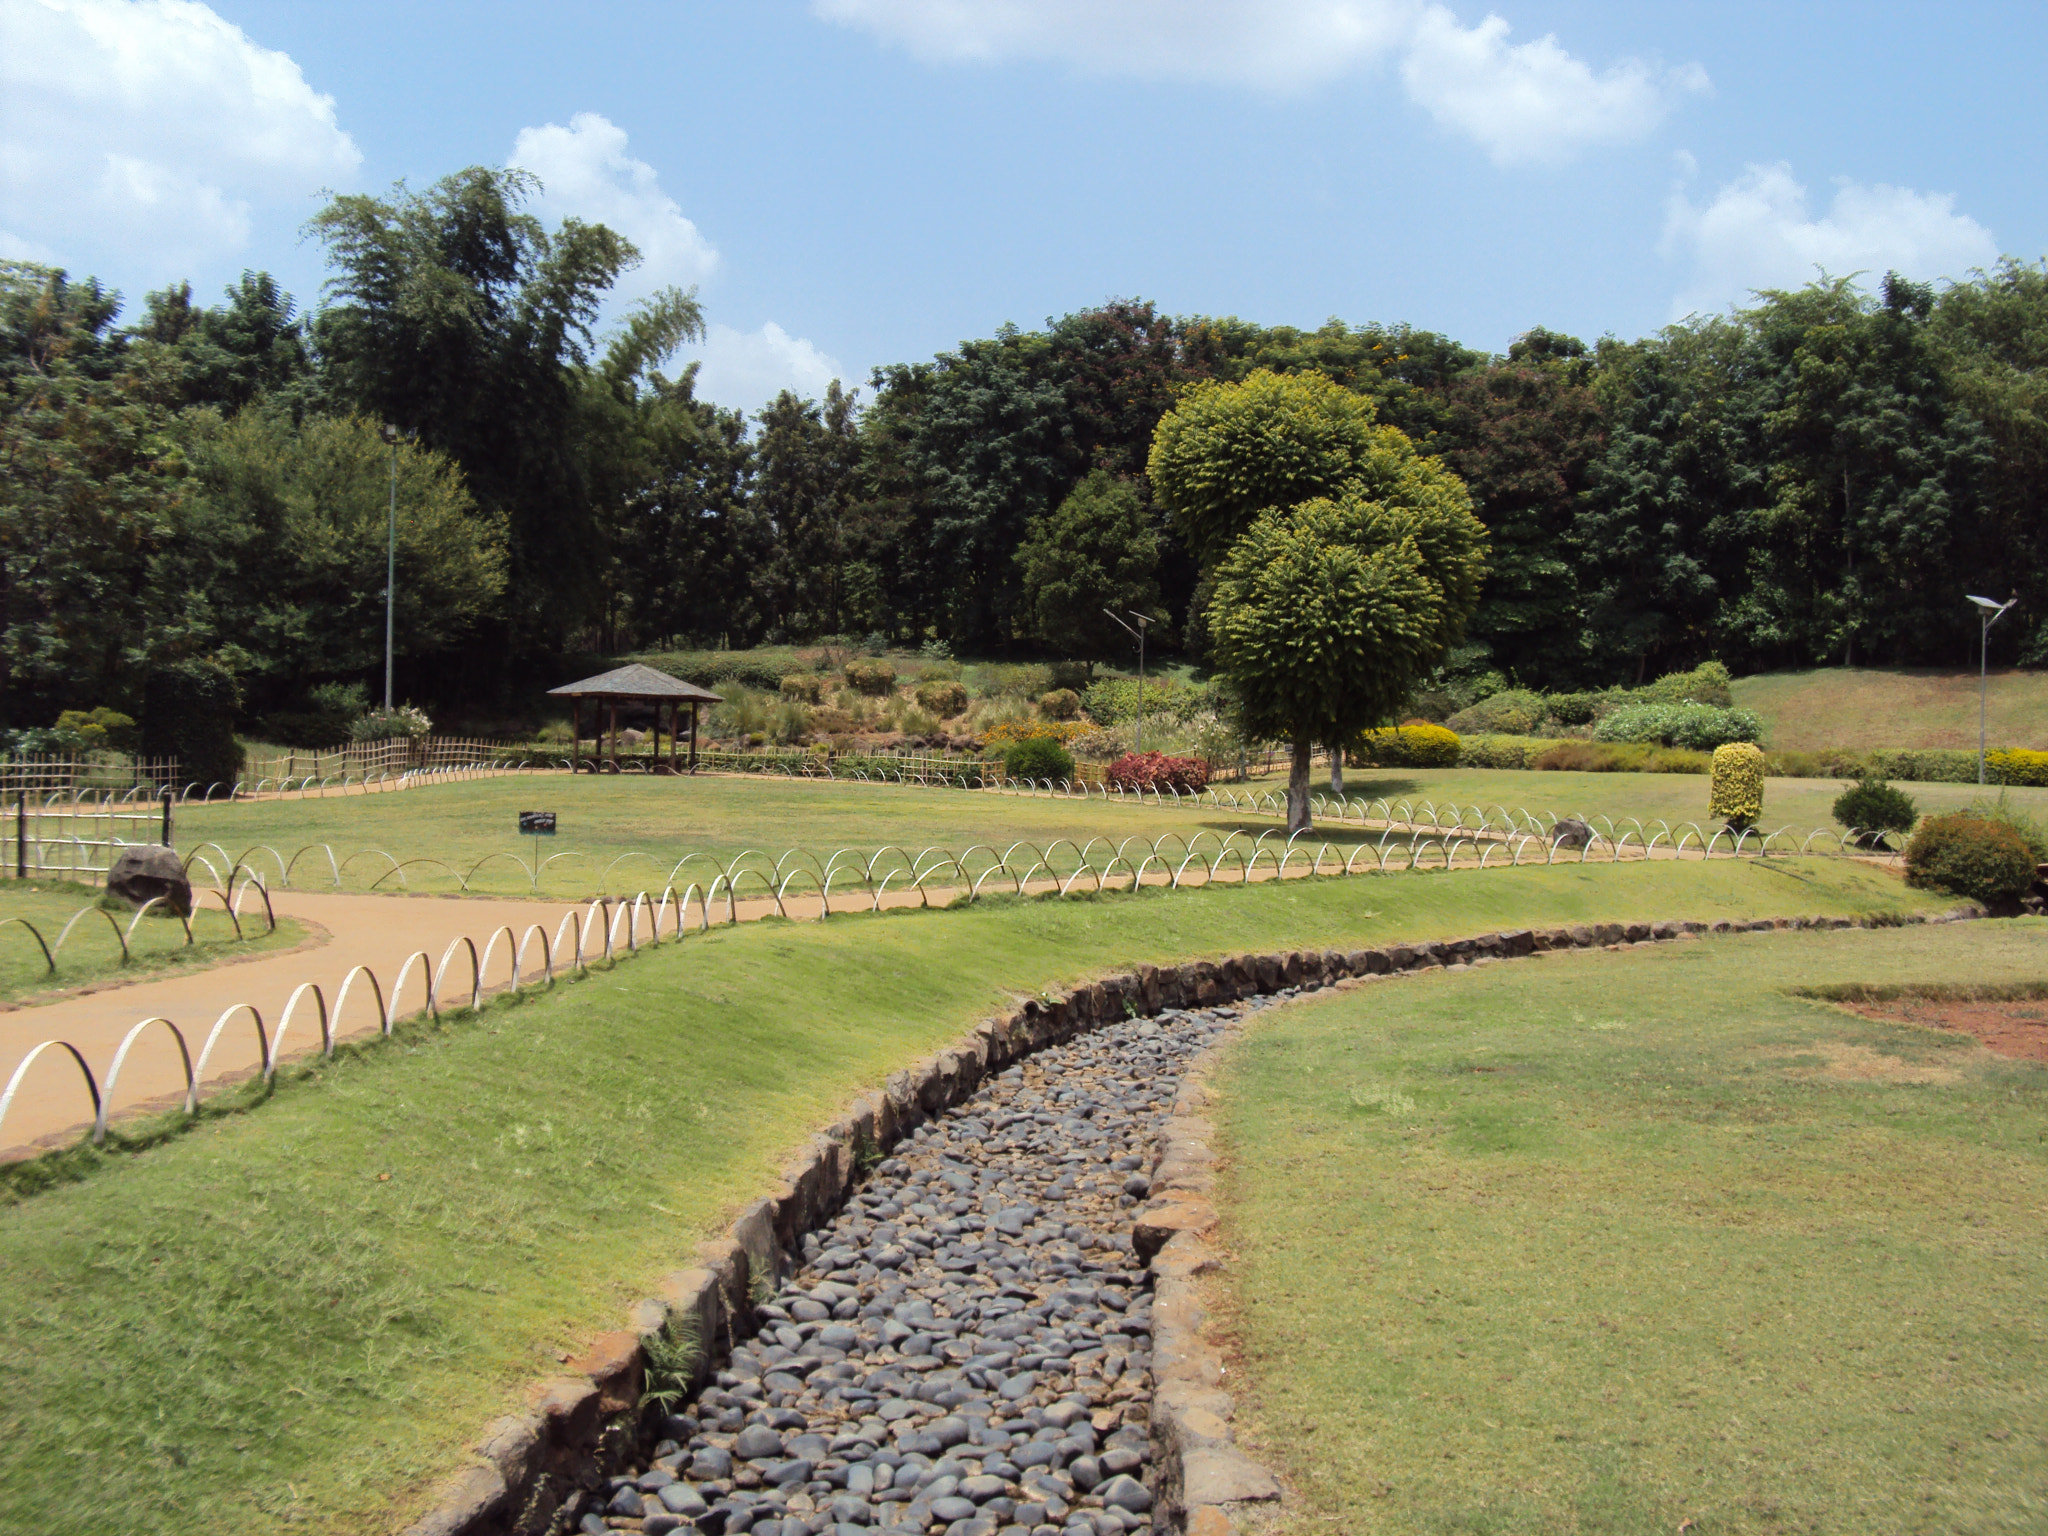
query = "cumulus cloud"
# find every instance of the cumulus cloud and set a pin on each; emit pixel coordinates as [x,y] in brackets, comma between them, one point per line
[1533,101]
[586,173]
[1758,232]
[1521,102]
[153,124]
[744,370]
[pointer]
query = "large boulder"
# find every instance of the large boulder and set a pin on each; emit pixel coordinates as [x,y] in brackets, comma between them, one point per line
[1571,833]
[141,875]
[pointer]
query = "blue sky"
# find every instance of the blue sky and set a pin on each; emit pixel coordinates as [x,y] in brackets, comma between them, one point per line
[854,182]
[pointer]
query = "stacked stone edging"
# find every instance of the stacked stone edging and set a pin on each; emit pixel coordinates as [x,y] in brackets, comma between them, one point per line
[589,1421]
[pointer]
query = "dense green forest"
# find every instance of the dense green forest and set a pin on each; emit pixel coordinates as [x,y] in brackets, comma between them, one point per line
[191,493]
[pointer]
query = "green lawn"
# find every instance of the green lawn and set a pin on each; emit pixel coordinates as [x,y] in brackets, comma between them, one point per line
[1611,1242]
[248,1324]
[1865,707]
[1675,797]
[93,951]
[630,832]
[647,824]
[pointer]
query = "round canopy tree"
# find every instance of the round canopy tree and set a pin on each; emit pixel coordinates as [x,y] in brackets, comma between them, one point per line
[1227,452]
[1327,614]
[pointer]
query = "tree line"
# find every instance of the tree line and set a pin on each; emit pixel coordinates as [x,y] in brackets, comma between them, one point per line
[201,493]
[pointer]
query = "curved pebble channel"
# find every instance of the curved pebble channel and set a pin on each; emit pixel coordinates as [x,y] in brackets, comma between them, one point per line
[967,1347]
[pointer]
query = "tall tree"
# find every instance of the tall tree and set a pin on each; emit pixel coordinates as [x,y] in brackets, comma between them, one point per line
[1095,551]
[461,318]
[806,468]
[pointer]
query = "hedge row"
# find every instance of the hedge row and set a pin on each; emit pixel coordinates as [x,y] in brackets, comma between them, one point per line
[1929,765]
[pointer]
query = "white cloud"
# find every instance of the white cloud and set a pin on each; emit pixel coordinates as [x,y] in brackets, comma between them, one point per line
[1758,233]
[153,125]
[1533,101]
[1524,102]
[1274,44]
[586,173]
[744,370]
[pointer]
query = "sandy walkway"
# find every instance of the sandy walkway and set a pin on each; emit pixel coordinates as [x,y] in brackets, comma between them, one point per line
[381,932]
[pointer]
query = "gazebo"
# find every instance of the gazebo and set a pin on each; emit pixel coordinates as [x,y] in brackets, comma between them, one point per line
[633,684]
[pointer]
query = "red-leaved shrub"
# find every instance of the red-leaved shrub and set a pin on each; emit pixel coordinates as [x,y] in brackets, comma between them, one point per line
[1155,770]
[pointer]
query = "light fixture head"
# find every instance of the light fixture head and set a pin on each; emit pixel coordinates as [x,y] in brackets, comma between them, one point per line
[390,431]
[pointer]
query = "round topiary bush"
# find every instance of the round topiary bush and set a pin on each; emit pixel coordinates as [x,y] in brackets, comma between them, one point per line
[942,696]
[873,678]
[1060,704]
[1038,757]
[1971,856]
[1873,807]
[1735,793]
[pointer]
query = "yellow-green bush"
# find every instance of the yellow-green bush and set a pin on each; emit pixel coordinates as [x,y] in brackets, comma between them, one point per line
[1060,704]
[1411,746]
[808,688]
[1736,791]
[2016,765]
[942,696]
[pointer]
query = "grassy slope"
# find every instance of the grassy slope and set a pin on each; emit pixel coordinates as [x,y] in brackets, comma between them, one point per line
[1859,707]
[247,1324]
[1599,1244]
[93,953]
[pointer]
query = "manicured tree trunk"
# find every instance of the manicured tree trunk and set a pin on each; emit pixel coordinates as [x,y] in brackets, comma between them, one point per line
[1337,772]
[1297,787]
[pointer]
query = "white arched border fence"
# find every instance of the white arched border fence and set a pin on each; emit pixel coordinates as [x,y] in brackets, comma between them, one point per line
[602,929]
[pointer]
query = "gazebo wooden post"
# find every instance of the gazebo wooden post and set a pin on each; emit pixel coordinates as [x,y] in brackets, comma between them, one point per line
[613,749]
[675,731]
[576,725]
[693,735]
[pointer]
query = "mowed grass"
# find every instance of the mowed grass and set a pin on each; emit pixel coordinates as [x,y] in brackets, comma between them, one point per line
[1617,1242]
[1865,707]
[629,833]
[638,828]
[92,953]
[299,1315]
[1802,804]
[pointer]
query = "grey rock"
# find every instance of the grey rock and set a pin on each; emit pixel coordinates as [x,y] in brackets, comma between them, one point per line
[141,875]
[757,1443]
[1126,1493]
[627,1502]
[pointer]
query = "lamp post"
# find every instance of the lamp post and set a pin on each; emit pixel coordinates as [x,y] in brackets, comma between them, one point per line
[1988,614]
[390,563]
[1138,635]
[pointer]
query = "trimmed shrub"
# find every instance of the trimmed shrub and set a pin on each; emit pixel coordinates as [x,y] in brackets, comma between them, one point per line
[944,697]
[1701,727]
[875,678]
[1969,854]
[1114,700]
[1039,757]
[1060,704]
[1577,708]
[1412,746]
[188,712]
[1513,712]
[1871,805]
[1736,791]
[96,730]
[1502,751]
[1618,757]
[2012,765]
[806,688]
[1707,683]
[1834,763]
[1926,765]
[1057,731]
[1155,770]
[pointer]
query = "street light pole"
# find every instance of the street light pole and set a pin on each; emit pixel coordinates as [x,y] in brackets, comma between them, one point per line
[390,564]
[1988,614]
[1139,635]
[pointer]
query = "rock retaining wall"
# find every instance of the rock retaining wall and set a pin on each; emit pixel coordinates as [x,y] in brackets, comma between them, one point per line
[586,1423]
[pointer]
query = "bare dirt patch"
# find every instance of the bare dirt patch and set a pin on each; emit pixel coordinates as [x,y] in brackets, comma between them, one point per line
[2018,1029]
